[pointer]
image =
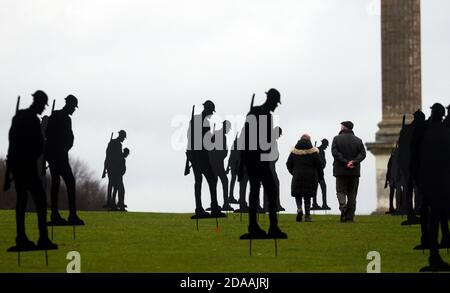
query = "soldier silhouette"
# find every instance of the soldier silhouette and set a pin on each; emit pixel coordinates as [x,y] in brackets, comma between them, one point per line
[241,172]
[256,157]
[394,182]
[323,186]
[25,147]
[119,186]
[217,157]
[199,156]
[431,174]
[408,146]
[114,165]
[278,132]
[233,167]
[58,144]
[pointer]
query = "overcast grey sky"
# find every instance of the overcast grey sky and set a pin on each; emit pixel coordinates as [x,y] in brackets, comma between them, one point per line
[136,65]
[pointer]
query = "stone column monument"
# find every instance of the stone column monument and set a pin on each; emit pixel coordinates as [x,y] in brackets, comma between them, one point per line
[401,81]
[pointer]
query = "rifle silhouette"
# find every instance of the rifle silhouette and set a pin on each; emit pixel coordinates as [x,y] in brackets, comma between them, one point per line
[187,167]
[104,167]
[7,182]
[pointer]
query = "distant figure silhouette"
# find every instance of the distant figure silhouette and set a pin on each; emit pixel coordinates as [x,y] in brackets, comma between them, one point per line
[348,153]
[256,158]
[217,157]
[25,147]
[394,182]
[278,132]
[199,156]
[306,168]
[115,165]
[233,167]
[58,144]
[432,173]
[323,186]
[118,186]
[408,142]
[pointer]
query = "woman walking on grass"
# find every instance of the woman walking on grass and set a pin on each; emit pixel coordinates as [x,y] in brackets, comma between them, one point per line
[304,165]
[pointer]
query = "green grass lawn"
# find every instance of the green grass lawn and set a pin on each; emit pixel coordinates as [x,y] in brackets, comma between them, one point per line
[157,242]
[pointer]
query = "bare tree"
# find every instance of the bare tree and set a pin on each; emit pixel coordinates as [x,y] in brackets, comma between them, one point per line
[91,194]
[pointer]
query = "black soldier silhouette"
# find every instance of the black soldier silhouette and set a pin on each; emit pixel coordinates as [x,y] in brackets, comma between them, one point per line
[432,175]
[408,150]
[323,185]
[278,132]
[217,157]
[242,175]
[59,141]
[199,155]
[115,168]
[256,157]
[394,182]
[25,147]
[119,187]
[233,168]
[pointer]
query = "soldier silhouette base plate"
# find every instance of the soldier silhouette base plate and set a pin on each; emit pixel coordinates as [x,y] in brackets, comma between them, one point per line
[442,268]
[249,236]
[208,216]
[67,223]
[35,248]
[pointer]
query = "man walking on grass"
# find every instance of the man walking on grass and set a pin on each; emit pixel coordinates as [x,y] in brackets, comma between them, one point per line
[348,153]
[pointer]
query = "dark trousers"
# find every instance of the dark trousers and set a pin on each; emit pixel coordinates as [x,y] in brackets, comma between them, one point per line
[347,189]
[307,200]
[117,187]
[323,188]
[60,167]
[260,173]
[203,168]
[29,183]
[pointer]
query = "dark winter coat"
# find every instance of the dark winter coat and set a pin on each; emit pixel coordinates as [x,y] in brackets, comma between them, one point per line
[347,147]
[305,166]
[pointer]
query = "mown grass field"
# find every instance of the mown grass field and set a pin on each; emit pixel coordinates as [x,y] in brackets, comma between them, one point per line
[158,242]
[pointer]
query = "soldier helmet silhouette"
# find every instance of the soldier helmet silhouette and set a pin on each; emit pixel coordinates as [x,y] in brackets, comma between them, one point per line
[419,115]
[273,95]
[122,133]
[40,97]
[209,106]
[325,141]
[438,109]
[71,100]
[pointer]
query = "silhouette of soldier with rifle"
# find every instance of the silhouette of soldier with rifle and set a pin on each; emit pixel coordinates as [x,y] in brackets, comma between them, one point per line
[114,166]
[409,134]
[58,144]
[199,157]
[256,158]
[25,147]
[393,181]
[323,186]
[233,167]
[431,174]
[217,159]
